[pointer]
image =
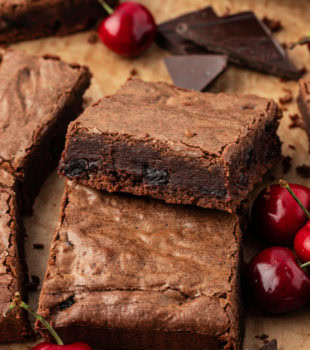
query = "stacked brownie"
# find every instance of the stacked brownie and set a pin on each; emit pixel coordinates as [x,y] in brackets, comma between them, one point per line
[39,96]
[31,19]
[304,103]
[138,273]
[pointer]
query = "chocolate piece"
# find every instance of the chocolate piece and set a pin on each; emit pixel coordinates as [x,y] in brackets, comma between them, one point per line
[141,274]
[273,25]
[169,39]
[13,327]
[304,104]
[245,39]
[303,171]
[272,345]
[195,71]
[24,19]
[39,96]
[137,141]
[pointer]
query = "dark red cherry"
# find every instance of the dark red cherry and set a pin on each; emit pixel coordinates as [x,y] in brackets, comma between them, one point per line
[276,216]
[129,30]
[74,346]
[302,243]
[276,282]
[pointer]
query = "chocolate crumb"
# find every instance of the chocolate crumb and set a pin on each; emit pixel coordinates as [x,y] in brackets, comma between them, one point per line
[292,147]
[272,345]
[273,24]
[296,121]
[284,45]
[303,70]
[133,72]
[287,98]
[34,284]
[286,164]
[303,171]
[93,38]
[38,246]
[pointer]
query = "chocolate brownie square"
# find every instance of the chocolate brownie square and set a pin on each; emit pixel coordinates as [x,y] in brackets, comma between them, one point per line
[13,327]
[182,146]
[31,19]
[304,103]
[134,273]
[39,96]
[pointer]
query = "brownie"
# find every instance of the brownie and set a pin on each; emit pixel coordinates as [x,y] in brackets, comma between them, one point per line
[136,273]
[182,146]
[31,19]
[304,103]
[13,327]
[39,96]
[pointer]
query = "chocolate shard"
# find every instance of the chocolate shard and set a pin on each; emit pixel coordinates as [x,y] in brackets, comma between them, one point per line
[195,72]
[245,39]
[169,39]
[272,345]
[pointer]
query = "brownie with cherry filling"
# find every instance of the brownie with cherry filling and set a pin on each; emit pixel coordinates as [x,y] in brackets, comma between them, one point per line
[126,272]
[31,19]
[304,103]
[13,327]
[181,146]
[39,96]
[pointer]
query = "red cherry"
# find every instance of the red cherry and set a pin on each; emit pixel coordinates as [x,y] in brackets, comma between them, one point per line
[74,346]
[276,282]
[302,243]
[129,30]
[276,216]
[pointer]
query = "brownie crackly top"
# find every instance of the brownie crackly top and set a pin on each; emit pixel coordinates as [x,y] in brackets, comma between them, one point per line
[140,264]
[33,91]
[191,123]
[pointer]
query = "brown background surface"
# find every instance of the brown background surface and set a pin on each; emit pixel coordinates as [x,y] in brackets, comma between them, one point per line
[110,71]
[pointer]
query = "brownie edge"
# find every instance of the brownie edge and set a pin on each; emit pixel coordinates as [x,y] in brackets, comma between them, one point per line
[136,273]
[177,145]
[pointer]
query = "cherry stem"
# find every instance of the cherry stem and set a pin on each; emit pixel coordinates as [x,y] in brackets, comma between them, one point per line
[304,40]
[284,184]
[305,264]
[107,7]
[17,302]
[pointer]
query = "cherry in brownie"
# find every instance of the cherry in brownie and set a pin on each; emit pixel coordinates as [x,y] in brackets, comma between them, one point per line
[14,326]
[304,103]
[136,273]
[25,20]
[39,96]
[173,144]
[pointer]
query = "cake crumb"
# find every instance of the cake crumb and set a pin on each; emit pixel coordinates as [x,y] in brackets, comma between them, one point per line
[189,134]
[292,147]
[38,246]
[303,171]
[134,72]
[296,121]
[273,24]
[93,38]
[287,98]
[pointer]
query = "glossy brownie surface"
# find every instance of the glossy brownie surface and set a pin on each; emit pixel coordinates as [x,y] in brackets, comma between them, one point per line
[31,19]
[13,327]
[173,144]
[39,96]
[136,273]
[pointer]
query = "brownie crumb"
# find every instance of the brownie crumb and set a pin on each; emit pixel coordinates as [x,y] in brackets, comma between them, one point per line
[34,284]
[303,70]
[272,345]
[262,336]
[133,72]
[284,45]
[286,164]
[38,246]
[273,24]
[93,38]
[296,121]
[287,98]
[189,134]
[292,147]
[303,171]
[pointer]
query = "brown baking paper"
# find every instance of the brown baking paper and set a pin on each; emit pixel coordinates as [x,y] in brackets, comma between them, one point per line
[110,71]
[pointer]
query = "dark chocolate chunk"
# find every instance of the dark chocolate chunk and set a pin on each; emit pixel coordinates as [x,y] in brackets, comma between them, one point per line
[168,38]
[272,345]
[245,39]
[195,72]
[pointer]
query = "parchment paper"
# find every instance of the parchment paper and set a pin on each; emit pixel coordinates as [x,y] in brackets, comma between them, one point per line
[110,71]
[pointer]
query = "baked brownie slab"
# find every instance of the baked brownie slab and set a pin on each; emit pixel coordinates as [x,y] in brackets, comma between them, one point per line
[14,326]
[134,273]
[31,19]
[39,96]
[172,144]
[304,103]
